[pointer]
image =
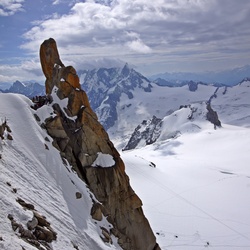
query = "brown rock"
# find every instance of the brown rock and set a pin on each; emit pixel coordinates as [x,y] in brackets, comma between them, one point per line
[9,137]
[78,195]
[49,58]
[107,238]
[96,211]
[25,204]
[41,219]
[14,225]
[70,76]
[42,233]
[25,233]
[10,217]
[80,139]
[31,224]
[3,126]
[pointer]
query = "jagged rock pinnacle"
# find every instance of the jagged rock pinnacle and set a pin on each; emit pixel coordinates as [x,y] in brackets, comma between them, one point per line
[81,140]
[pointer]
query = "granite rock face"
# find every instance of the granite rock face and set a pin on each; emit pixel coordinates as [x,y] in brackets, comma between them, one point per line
[81,139]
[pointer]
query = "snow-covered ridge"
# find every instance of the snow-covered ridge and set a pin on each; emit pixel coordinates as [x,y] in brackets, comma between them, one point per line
[33,170]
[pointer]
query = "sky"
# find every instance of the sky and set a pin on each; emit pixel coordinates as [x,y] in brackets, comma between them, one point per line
[152,36]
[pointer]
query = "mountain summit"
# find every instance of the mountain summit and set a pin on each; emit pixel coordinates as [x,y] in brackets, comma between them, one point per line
[105,87]
[83,142]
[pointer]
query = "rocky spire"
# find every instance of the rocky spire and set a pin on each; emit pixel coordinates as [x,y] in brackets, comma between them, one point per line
[50,59]
[82,140]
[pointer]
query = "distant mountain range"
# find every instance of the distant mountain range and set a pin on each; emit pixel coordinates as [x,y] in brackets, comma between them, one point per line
[226,77]
[29,89]
[4,86]
[123,98]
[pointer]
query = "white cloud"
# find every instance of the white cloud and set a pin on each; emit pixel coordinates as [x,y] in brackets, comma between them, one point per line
[10,7]
[31,69]
[55,2]
[138,46]
[27,70]
[162,30]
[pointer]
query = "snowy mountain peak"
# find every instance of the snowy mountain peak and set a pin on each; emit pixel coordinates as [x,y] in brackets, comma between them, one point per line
[18,84]
[28,89]
[125,70]
[105,86]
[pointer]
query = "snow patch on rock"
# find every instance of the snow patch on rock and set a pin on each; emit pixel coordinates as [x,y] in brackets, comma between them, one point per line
[104,161]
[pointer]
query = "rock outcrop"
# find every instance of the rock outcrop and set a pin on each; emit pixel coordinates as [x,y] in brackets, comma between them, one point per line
[5,129]
[212,116]
[82,140]
[146,133]
[37,232]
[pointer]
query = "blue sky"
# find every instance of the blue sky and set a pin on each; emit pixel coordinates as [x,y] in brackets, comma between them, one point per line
[152,36]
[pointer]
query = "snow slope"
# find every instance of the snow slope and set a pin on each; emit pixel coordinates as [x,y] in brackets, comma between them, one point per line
[32,166]
[233,104]
[197,196]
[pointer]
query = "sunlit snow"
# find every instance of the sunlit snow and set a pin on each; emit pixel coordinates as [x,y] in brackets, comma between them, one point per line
[197,196]
[103,160]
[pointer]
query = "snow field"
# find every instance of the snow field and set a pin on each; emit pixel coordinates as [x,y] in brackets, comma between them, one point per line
[197,197]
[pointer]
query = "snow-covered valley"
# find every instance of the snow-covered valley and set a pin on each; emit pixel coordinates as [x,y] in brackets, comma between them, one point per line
[197,196]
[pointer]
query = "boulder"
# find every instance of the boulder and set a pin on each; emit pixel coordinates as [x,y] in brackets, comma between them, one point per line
[41,219]
[31,224]
[96,211]
[78,195]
